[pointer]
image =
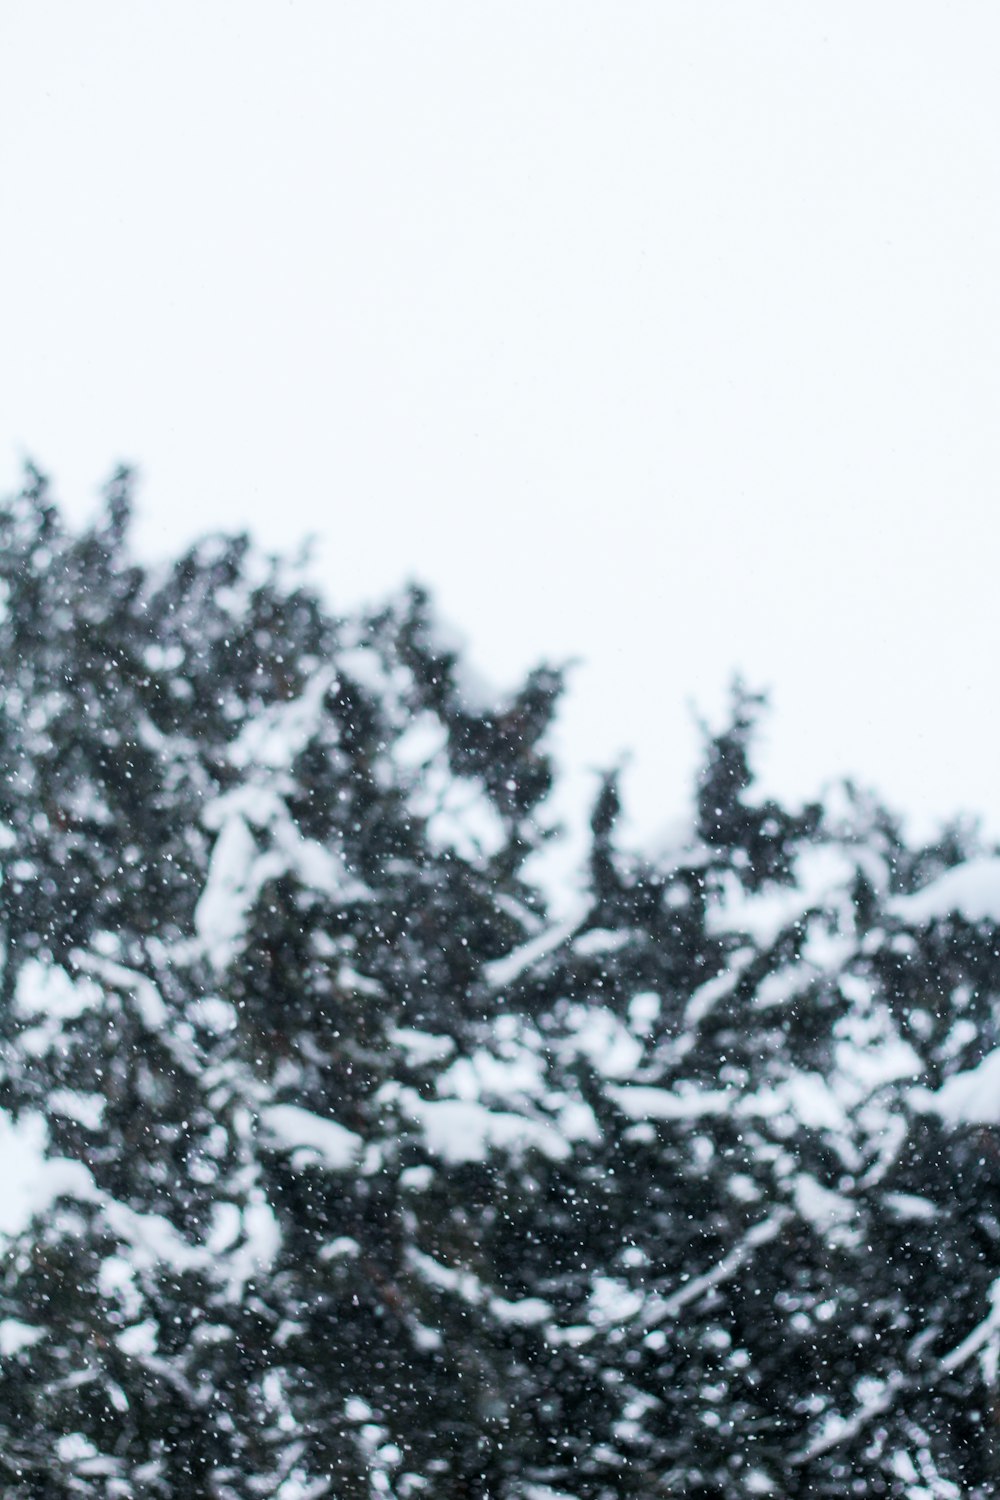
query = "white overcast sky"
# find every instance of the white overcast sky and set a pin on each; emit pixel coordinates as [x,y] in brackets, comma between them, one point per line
[666,336]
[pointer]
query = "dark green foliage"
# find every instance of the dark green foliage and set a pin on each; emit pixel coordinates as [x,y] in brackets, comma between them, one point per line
[758,838]
[355,1175]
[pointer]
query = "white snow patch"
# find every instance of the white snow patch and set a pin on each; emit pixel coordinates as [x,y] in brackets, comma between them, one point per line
[85,1109]
[225,1230]
[47,990]
[485,1073]
[526,1312]
[239,869]
[116,1280]
[15,1336]
[73,1446]
[909,1206]
[421,1047]
[140,1340]
[30,1181]
[422,740]
[644,1011]
[870,1055]
[418,1179]
[342,1248]
[458,811]
[600,940]
[819,873]
[147,998]
[645,1102]
[759,1483]
[503,971]
[612,1302]
[577,1120]
[462,1130]
[276,735]
[603,1040]
[824,1209]
[810,1098]
[312,1136]
[968,1098]
[215,1014]
[874,1397]
[261,1243]
[220,916]
[707,995]
[783,986]
[971,890]
[152,1240]
[574,1335]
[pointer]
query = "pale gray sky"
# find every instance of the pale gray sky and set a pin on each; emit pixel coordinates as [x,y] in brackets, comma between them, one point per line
[663,335]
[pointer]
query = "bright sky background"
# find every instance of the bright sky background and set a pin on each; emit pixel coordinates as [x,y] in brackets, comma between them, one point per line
[666,336]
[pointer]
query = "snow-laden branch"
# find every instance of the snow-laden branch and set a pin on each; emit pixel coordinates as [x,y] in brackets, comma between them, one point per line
[147,1000]
[979,1336]
[876,1397]
[761,1234]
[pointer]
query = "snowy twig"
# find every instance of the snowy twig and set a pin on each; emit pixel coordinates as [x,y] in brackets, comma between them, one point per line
[760,1234]
[838,1430]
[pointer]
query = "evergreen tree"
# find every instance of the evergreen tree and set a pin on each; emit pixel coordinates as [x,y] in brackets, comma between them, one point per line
[253,854]
[346,1171]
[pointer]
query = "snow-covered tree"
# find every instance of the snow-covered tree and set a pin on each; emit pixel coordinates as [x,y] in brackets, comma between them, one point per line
[255,861]
[334,1166]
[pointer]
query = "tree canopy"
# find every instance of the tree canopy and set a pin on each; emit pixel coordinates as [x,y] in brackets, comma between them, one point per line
[336,1165]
